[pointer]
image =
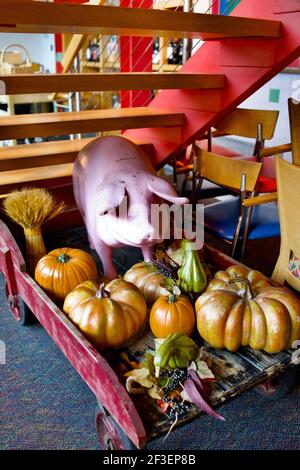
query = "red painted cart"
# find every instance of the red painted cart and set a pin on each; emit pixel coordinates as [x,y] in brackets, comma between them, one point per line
[122,421]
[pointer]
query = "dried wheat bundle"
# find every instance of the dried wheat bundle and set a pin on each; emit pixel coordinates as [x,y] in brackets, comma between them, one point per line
[31,208]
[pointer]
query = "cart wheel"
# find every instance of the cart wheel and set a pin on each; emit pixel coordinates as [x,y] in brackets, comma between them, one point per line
[19,310]
[277,387]
[111,435]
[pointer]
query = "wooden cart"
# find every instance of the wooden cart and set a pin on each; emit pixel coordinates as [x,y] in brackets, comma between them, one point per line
[122,420]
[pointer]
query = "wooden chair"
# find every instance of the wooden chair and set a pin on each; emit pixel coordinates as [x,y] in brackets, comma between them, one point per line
[294,113]
[226,219]
[250,123]
[288,184]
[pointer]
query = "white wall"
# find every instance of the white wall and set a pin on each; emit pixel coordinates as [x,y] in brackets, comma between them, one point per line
[40,47]
[287,85]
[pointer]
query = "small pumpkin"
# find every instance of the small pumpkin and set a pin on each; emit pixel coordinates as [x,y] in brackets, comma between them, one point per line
[172,314]
[148,280]
[108,316]
[62,269]
[240,308]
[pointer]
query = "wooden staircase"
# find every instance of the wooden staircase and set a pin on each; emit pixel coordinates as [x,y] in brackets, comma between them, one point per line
[240,54]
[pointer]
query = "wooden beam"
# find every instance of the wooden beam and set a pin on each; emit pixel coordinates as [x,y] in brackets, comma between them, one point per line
[34,83]
[25,16]
[46,124]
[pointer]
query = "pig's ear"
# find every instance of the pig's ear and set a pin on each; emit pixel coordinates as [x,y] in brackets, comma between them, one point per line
[109,196]
[165,190]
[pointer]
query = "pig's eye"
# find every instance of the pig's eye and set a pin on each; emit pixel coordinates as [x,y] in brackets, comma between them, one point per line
[105,213]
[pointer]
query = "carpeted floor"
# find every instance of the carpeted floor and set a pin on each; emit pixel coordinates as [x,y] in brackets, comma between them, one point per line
[44,404]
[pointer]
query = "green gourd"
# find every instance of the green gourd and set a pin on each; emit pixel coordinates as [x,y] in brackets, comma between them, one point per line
[191,275]
[176,352]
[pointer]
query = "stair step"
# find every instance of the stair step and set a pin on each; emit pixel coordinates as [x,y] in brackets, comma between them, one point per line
[13,179]
[33,83]
[18,157]
[48,124]
[23,16]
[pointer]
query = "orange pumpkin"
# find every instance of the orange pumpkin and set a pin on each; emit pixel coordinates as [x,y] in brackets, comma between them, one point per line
[108,316]
[240,308]
[62,269]
[171,314]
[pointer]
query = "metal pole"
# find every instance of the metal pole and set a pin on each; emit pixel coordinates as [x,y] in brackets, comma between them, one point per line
[77,94]
[70,106]
[187,43]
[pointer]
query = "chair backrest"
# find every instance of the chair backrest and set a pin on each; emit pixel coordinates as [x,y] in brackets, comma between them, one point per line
[226,171]
[243,122]
[288,184]
[294,112]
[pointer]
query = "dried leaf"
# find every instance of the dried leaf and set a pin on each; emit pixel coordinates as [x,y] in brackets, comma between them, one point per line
[196,398]
[141,376]
[202,369]
[155,392]
[133,387]
[148,363]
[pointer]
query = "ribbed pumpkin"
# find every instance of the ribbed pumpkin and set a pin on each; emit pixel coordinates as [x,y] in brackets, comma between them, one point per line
[239,308]
[149,282]
[172,314]
[108,315]
[62,269]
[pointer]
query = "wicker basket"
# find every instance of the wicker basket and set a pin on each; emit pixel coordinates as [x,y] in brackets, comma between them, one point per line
[25,67]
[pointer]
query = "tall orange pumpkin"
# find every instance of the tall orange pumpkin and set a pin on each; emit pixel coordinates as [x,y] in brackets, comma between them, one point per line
[172,314]
[62,269]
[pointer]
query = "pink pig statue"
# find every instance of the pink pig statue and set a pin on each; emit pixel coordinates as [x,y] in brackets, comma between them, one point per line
[105,171]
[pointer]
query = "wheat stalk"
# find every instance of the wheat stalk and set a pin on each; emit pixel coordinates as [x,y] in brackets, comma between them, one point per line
[31,208]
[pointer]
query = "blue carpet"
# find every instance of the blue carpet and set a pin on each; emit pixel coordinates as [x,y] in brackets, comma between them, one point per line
[44,403]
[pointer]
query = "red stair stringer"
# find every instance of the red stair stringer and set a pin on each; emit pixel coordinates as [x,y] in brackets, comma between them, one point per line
[247,65]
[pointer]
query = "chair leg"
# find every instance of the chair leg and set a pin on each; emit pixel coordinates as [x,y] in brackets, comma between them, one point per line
[245,232]
[196,192]
[183,186]
[236,235]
